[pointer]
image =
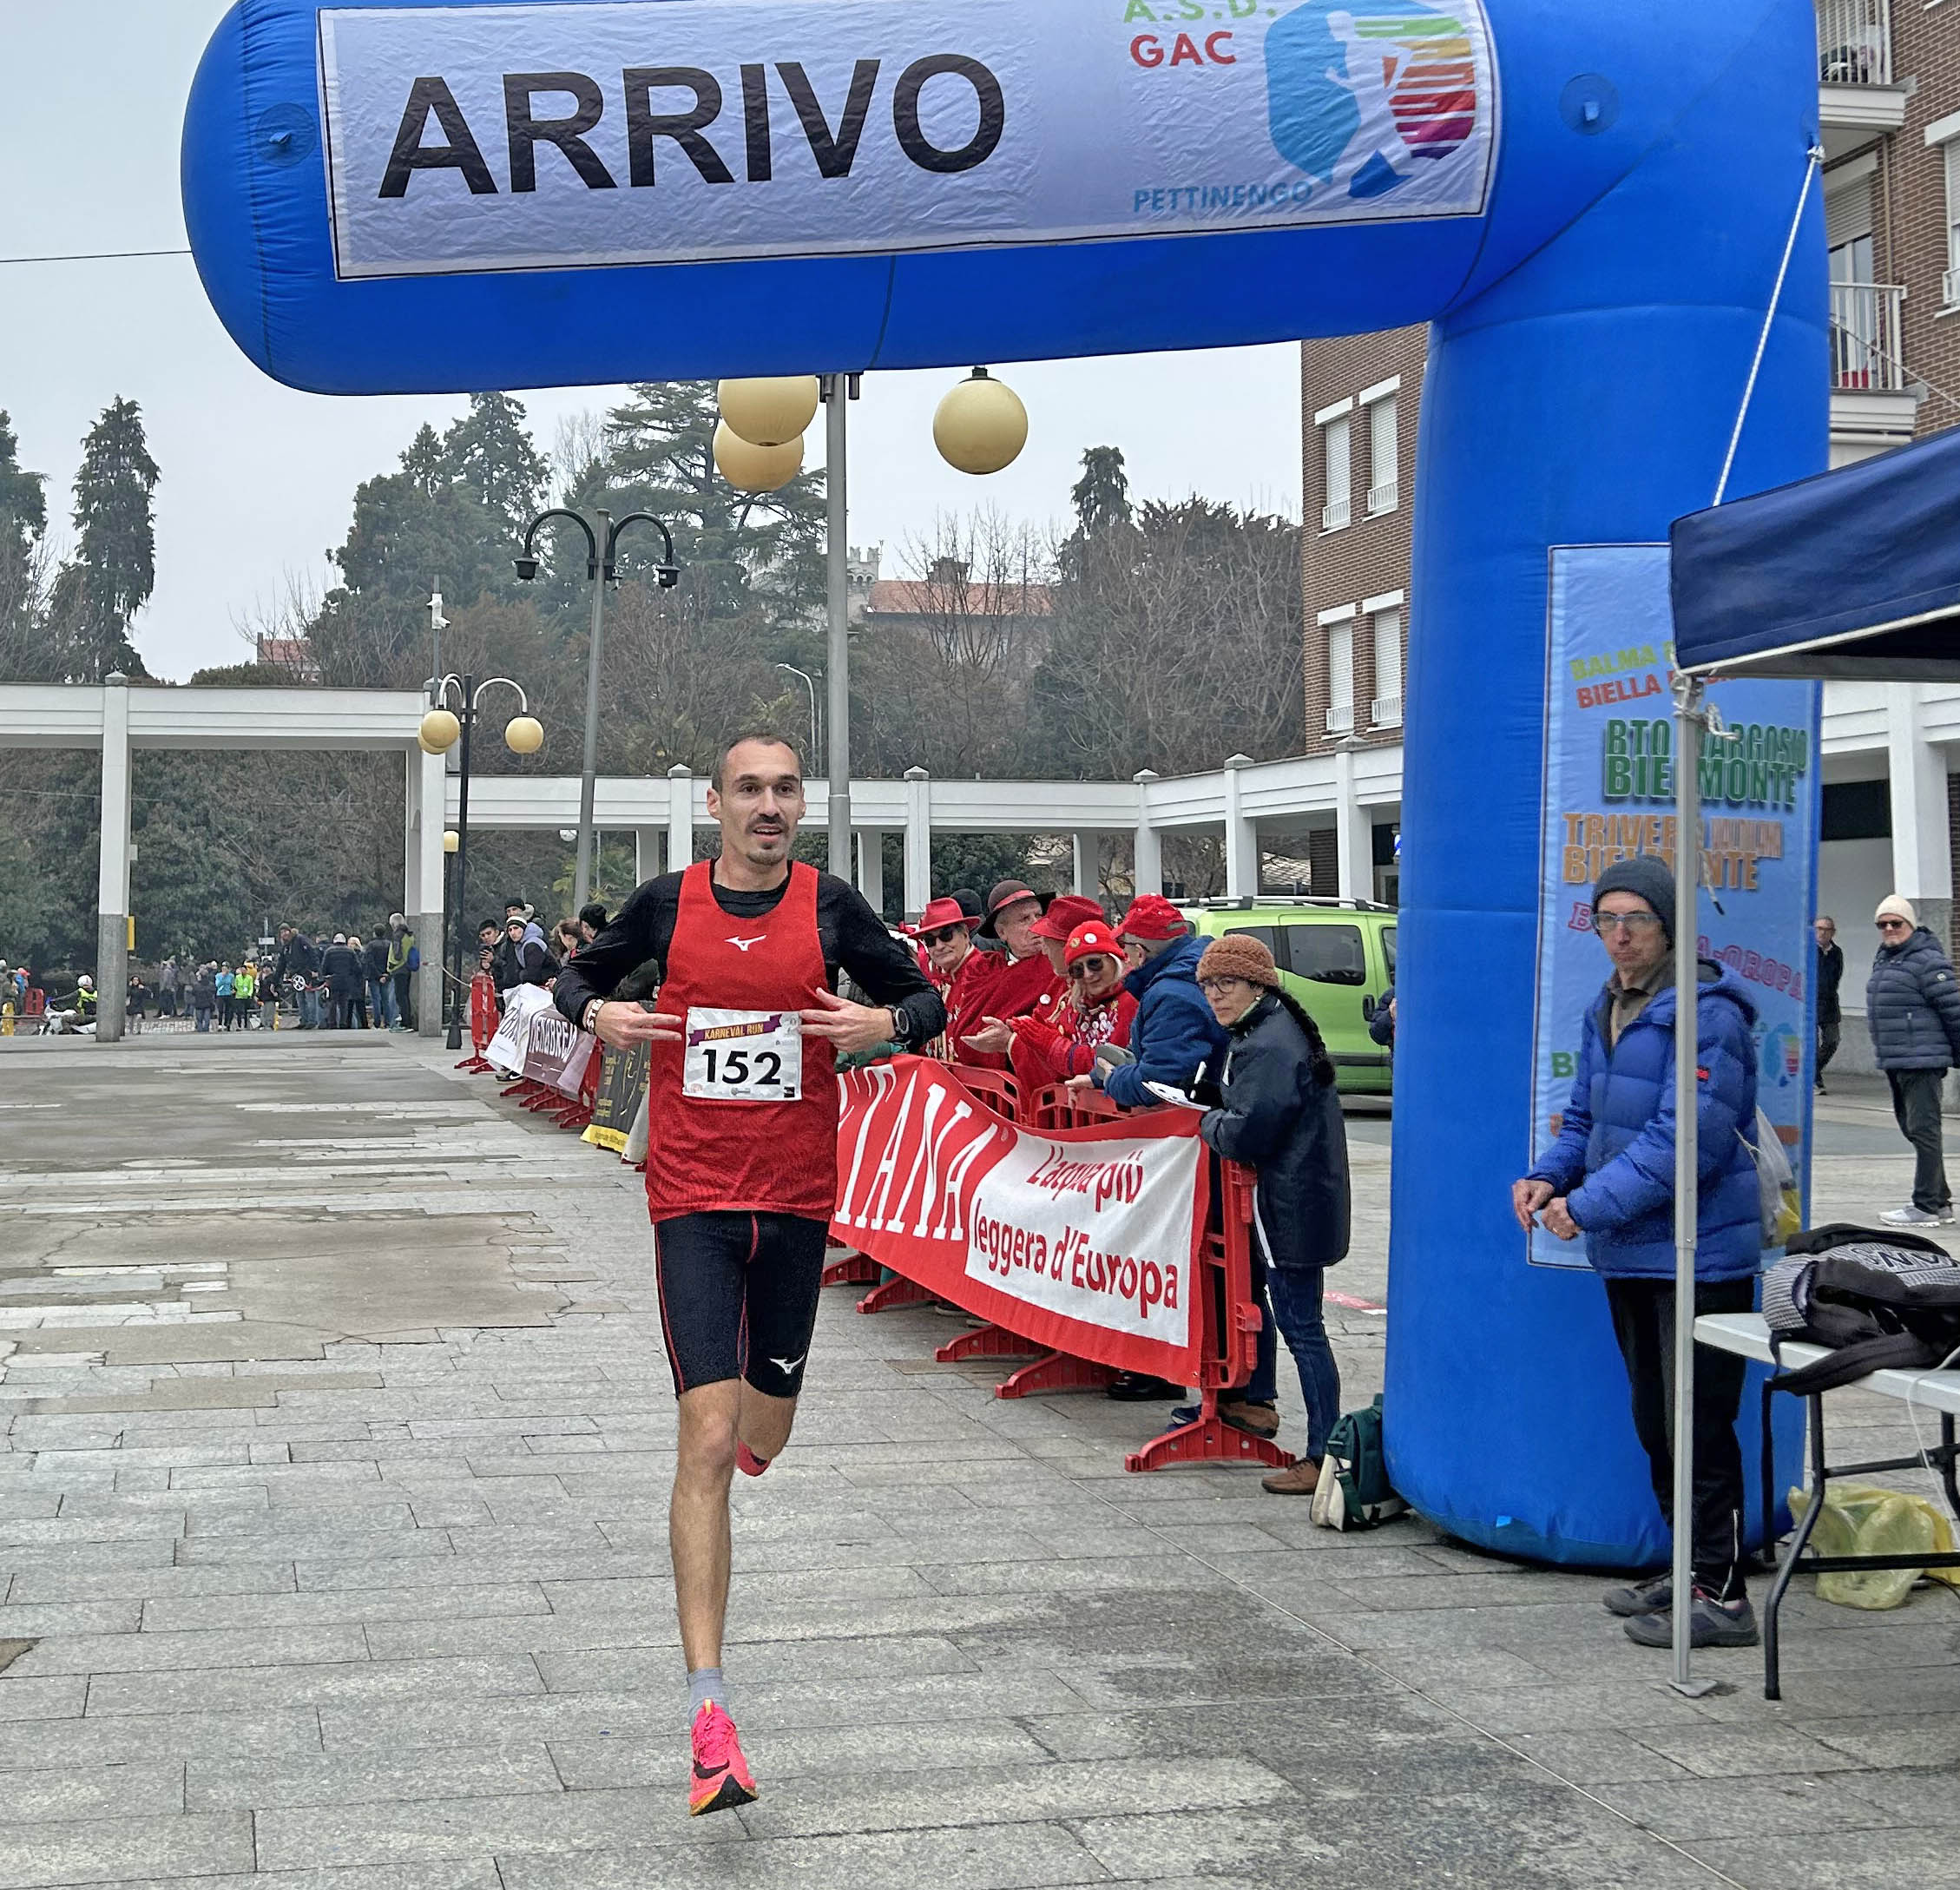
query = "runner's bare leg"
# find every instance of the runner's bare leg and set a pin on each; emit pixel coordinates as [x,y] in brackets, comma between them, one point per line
[712,1419]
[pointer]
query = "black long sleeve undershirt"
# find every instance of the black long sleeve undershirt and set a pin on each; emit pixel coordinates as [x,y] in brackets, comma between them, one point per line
[853,937]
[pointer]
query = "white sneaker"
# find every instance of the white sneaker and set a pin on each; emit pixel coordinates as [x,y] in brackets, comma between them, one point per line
[1910,1216]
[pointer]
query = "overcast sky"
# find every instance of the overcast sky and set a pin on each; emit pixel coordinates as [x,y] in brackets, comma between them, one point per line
[257,481]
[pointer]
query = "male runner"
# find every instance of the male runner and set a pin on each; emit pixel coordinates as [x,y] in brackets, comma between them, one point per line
[741,1158]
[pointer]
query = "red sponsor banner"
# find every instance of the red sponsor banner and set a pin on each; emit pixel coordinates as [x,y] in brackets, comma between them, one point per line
[1086,1240]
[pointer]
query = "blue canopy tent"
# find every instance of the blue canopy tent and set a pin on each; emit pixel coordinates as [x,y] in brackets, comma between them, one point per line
[1851,574]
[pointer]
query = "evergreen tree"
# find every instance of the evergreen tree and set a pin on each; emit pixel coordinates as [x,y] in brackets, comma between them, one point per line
[114,571]
[660,458]
[23,519]
[490,452]
[1100,496]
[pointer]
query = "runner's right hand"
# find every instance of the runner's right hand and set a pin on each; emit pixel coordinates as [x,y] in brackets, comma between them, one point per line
[622,1025]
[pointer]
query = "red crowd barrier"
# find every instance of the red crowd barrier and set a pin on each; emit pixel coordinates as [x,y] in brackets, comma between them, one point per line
[482,1022]
[1229,1317]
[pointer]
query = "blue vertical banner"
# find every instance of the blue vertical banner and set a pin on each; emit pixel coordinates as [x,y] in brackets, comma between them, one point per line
[1609,795]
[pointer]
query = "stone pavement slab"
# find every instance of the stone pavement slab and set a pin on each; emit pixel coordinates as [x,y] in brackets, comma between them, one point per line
[366,1587]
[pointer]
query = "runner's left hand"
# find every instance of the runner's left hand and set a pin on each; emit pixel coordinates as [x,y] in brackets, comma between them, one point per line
[851,1028]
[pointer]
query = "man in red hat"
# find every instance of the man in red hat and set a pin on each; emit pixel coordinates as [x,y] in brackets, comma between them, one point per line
[1174,1033]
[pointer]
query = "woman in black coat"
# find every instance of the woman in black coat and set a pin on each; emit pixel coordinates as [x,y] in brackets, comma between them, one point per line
[1280,1115]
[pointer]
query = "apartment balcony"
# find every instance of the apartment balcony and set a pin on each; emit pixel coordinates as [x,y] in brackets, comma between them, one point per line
[1385,712]
[1873,399]
[1337,514]
[1859,98]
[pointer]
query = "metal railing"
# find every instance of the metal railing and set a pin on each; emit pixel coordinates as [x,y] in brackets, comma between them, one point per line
[1385,711]
[1340,719]
[1854,41]
[1383,498]
[1336,514]
[1867,348]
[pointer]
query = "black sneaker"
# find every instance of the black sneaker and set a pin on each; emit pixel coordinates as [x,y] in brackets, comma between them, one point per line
[1712,1623]
[1653,1596]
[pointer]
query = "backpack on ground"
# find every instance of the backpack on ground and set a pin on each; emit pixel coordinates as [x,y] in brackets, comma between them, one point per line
[1779,1206]
[1354,1491]
[1880,1300]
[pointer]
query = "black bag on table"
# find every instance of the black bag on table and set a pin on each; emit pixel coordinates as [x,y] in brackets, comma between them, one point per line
[1880,1299]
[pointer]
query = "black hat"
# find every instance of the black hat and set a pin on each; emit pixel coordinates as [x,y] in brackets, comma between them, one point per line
[968,901]
[1646,878]
[1006,893]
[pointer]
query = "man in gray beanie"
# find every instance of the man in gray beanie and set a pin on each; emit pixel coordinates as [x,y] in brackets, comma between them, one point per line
[1608,1179]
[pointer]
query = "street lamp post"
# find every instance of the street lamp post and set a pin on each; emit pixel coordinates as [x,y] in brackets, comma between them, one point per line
[837,390]
[442,728]
[600,571]
[810,684]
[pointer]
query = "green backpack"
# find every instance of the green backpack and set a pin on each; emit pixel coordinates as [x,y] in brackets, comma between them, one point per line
[1354,1491]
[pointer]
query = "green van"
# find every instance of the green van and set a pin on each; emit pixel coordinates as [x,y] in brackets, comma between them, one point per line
[1336,956]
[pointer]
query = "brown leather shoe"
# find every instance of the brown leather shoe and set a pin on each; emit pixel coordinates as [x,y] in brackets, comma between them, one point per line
[1262,1420]
[1303,1480]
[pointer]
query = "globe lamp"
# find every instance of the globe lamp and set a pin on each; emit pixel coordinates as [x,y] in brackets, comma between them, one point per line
[438,732]
[981,426]
[451,842]
[772,410]
[524,734]
[750,468]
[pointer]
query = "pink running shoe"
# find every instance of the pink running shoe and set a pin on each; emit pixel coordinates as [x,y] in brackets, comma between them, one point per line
[748,1462]
[721,1778]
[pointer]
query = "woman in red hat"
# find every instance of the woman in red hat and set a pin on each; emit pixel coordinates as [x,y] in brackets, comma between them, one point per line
[1098,1010]
[965,975]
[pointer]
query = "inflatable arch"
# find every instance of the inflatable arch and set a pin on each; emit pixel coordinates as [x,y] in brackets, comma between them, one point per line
[1590,203]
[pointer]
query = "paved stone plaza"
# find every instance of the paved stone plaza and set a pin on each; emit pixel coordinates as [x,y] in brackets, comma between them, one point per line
[333,1546]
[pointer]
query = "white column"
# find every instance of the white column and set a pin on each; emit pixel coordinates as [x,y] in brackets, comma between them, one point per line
[680,817]
[112,880]
[1922,842]
[919,841]
[1150,851]
[1354,832]
[871,866]
[646,842]
[1241,837]
[422,890]
[1088,864]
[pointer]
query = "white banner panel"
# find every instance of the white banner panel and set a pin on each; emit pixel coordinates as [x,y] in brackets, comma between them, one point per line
[463,138]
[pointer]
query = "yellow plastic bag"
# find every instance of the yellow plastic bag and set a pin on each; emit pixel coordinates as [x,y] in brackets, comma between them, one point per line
[1860,1519]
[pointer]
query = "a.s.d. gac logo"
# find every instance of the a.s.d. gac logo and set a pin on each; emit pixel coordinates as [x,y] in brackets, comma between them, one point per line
[1361,95]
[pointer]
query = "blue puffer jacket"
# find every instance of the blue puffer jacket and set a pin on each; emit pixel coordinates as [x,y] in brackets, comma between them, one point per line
[1174,1033]
[1614,1160]
[1912,1006]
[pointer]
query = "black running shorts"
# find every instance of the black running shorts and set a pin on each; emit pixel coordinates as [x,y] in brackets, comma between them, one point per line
[738,1297]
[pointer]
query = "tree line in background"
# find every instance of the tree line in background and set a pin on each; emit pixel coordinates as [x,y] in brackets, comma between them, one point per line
[1147,634]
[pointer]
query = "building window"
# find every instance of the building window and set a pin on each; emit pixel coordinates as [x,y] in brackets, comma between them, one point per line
[1339,487]
[1384,490]
[1339,626]
[1950,288]
[1385,615]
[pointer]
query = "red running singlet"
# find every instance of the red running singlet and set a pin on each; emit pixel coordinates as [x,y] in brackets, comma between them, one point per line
[731,1146]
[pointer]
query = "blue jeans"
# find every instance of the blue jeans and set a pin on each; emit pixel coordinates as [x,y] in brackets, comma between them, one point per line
[381,1001]
[309,1008]
[1296,1310]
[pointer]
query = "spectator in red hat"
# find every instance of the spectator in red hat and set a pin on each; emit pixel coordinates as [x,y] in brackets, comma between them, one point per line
[1098,1010]
[1051,933]
[1174,1033]
[1013,911]
[965,976]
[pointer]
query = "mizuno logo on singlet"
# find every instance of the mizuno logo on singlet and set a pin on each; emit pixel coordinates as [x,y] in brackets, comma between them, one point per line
[742,945]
